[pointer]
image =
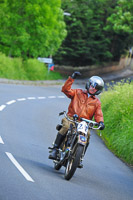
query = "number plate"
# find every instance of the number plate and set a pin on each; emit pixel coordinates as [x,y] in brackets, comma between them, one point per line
[82,127]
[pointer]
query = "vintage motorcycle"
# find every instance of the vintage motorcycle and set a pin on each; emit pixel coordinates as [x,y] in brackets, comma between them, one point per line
[72,149]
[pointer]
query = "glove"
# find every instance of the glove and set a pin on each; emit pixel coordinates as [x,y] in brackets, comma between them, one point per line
[75,74]
[102,125]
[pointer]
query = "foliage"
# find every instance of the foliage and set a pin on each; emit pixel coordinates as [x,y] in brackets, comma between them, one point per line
[11,68]
[91,37]
[120,27]
[36,70]
[117,106]
[31,28]
[30,69]
[122,19]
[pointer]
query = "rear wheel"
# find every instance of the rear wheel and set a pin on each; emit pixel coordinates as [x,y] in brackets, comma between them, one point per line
[73,162]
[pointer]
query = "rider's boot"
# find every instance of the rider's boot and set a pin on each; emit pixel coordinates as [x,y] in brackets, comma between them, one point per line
[59,139]
[81,164]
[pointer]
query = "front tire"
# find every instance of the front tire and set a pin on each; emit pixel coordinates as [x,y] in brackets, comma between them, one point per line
[73,162]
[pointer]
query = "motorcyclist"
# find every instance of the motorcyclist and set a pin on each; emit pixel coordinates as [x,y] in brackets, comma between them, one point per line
[84,103]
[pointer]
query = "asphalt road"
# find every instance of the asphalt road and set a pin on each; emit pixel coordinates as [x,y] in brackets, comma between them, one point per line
[28,117]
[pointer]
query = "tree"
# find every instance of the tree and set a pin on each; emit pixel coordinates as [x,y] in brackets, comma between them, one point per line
[120,24]
[91,37]
[31,28]
[121,19]
[85,43]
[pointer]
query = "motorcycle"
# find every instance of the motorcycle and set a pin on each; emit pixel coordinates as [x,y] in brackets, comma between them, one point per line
[72,150]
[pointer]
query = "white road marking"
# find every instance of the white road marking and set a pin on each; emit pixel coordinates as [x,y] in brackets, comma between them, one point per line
[10,102]
[1,141]
[22,99]
[41,97]
[31,98]
[10,156]
[52,97]
[2,107]
[61,97]
[18,166]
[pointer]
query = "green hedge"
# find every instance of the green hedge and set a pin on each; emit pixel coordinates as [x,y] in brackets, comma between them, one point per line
[31,69]
[117,106]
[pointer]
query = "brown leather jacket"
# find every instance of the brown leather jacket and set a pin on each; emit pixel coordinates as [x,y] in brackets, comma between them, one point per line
[81,104]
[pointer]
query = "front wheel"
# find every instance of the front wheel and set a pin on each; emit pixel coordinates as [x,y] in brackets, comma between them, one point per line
[73,162]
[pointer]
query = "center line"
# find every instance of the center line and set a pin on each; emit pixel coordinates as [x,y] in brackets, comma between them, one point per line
[18,166]
[41,97]
[30,98]
[61,97]
[21,99]
[2,107]
[52,97]
[10,102]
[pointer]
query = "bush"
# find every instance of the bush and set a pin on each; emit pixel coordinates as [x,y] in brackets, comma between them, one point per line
[30,69]
[11,68]
[117,106]
[35,70]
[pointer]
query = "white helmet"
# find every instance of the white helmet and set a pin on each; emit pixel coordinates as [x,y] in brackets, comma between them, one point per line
[95,85]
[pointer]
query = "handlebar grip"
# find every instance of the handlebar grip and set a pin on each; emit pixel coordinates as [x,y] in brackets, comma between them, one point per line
[62,113]
[96,124]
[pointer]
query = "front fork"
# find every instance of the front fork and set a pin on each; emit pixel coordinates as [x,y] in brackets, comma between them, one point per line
[82,139]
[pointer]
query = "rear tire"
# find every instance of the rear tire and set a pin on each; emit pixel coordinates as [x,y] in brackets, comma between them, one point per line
[73,162]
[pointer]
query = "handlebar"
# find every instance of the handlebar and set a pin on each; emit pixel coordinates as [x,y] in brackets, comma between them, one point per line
[90,123]
[64,113]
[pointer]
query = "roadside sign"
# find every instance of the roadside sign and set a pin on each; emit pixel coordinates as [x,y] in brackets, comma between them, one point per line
[66,13]
[45,60]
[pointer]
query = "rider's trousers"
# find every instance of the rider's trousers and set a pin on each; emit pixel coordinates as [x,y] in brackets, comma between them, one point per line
[65,126]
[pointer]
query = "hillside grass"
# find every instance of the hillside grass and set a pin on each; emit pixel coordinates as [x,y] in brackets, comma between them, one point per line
[117,106]
[31,69]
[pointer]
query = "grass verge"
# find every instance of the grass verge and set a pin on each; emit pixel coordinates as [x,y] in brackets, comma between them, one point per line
[117,106]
